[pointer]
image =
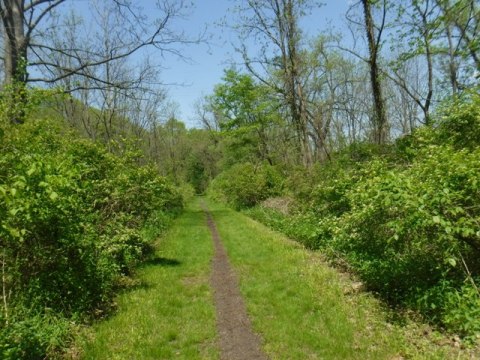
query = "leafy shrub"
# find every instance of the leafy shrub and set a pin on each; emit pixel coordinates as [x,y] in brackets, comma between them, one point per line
[33,336]
[156,224]
[72,216]
[245,185]
[459,124]
[187,191]
[406,219]
[406,226]
[461,309]
[304,226]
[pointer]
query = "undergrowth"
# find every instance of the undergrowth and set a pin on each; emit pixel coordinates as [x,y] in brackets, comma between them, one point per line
[405,218]
[75,219]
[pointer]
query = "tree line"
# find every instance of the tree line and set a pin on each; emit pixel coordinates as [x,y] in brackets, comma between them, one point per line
[375,79]
[332,92]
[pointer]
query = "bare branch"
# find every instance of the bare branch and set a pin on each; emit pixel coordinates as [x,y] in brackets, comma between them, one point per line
[33,24]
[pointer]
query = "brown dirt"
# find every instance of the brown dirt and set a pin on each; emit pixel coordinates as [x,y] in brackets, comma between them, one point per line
[283,205]
[236,338]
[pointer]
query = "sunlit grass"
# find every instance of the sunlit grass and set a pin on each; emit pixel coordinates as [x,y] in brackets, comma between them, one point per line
[298,304]
[171,313]
[295,301]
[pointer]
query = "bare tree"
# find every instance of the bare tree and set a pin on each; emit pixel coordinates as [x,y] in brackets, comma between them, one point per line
[374,39]
[464,16]
[278,64]
[114,88]
[19,21]
[419,29]
[27,44]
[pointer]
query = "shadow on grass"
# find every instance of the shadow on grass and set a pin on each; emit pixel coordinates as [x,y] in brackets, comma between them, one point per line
[214,212]
[161,261]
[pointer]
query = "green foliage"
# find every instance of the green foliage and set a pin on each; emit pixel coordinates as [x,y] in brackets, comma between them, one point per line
[304,227]
[72,216]
[246,112]
[241,102]
[406,219]
[245,185]
[17,102]
[31,336]
[197,174]
[462,309]
[202,159]
[187,192]
[460,123]
[406,223]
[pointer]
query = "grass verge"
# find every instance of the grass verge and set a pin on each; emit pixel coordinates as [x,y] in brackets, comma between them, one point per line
[302,308]
[170,313]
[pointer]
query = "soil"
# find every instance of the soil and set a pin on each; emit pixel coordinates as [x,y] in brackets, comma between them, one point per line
[236,339]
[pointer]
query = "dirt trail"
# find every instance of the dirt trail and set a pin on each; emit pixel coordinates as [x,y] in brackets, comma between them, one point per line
[236,338]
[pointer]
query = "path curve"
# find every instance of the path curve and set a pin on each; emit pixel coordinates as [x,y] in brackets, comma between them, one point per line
[236,339]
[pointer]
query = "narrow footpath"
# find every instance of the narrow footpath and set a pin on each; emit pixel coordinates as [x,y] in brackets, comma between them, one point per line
[236,338]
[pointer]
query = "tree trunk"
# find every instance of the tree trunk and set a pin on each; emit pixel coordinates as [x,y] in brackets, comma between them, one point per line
[427,39]
[452,64]
[295,89]
[380,115]
[15,57]
[15,42]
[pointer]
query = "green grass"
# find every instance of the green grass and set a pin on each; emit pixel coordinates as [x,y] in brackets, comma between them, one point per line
[298,304]
[170,314]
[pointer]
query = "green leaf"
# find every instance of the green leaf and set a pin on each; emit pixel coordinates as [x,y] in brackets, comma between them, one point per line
[452,262]
[14,232]
[14,212]
[31,171]
[436,219]
[53,196]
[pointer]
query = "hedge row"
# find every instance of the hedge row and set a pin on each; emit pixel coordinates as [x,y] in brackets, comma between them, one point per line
[73,219]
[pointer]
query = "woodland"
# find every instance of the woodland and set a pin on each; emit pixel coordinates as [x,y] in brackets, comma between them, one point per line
[366,150]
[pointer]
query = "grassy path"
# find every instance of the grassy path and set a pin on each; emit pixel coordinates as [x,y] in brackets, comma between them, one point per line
[299,305]
[170,315]
[236,339]
[296,303]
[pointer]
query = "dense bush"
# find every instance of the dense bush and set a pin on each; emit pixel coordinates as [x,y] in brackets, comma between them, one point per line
[72,216]
[410,229]
[245,185]
[406,220]
[459,124]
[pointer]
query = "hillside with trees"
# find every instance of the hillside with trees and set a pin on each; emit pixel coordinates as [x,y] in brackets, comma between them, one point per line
[361,143]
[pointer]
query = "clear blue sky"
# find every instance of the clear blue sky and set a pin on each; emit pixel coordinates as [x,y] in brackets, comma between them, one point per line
[208,62]
[197,77]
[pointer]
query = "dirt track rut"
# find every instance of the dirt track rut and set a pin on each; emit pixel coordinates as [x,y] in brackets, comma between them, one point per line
[236,339]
